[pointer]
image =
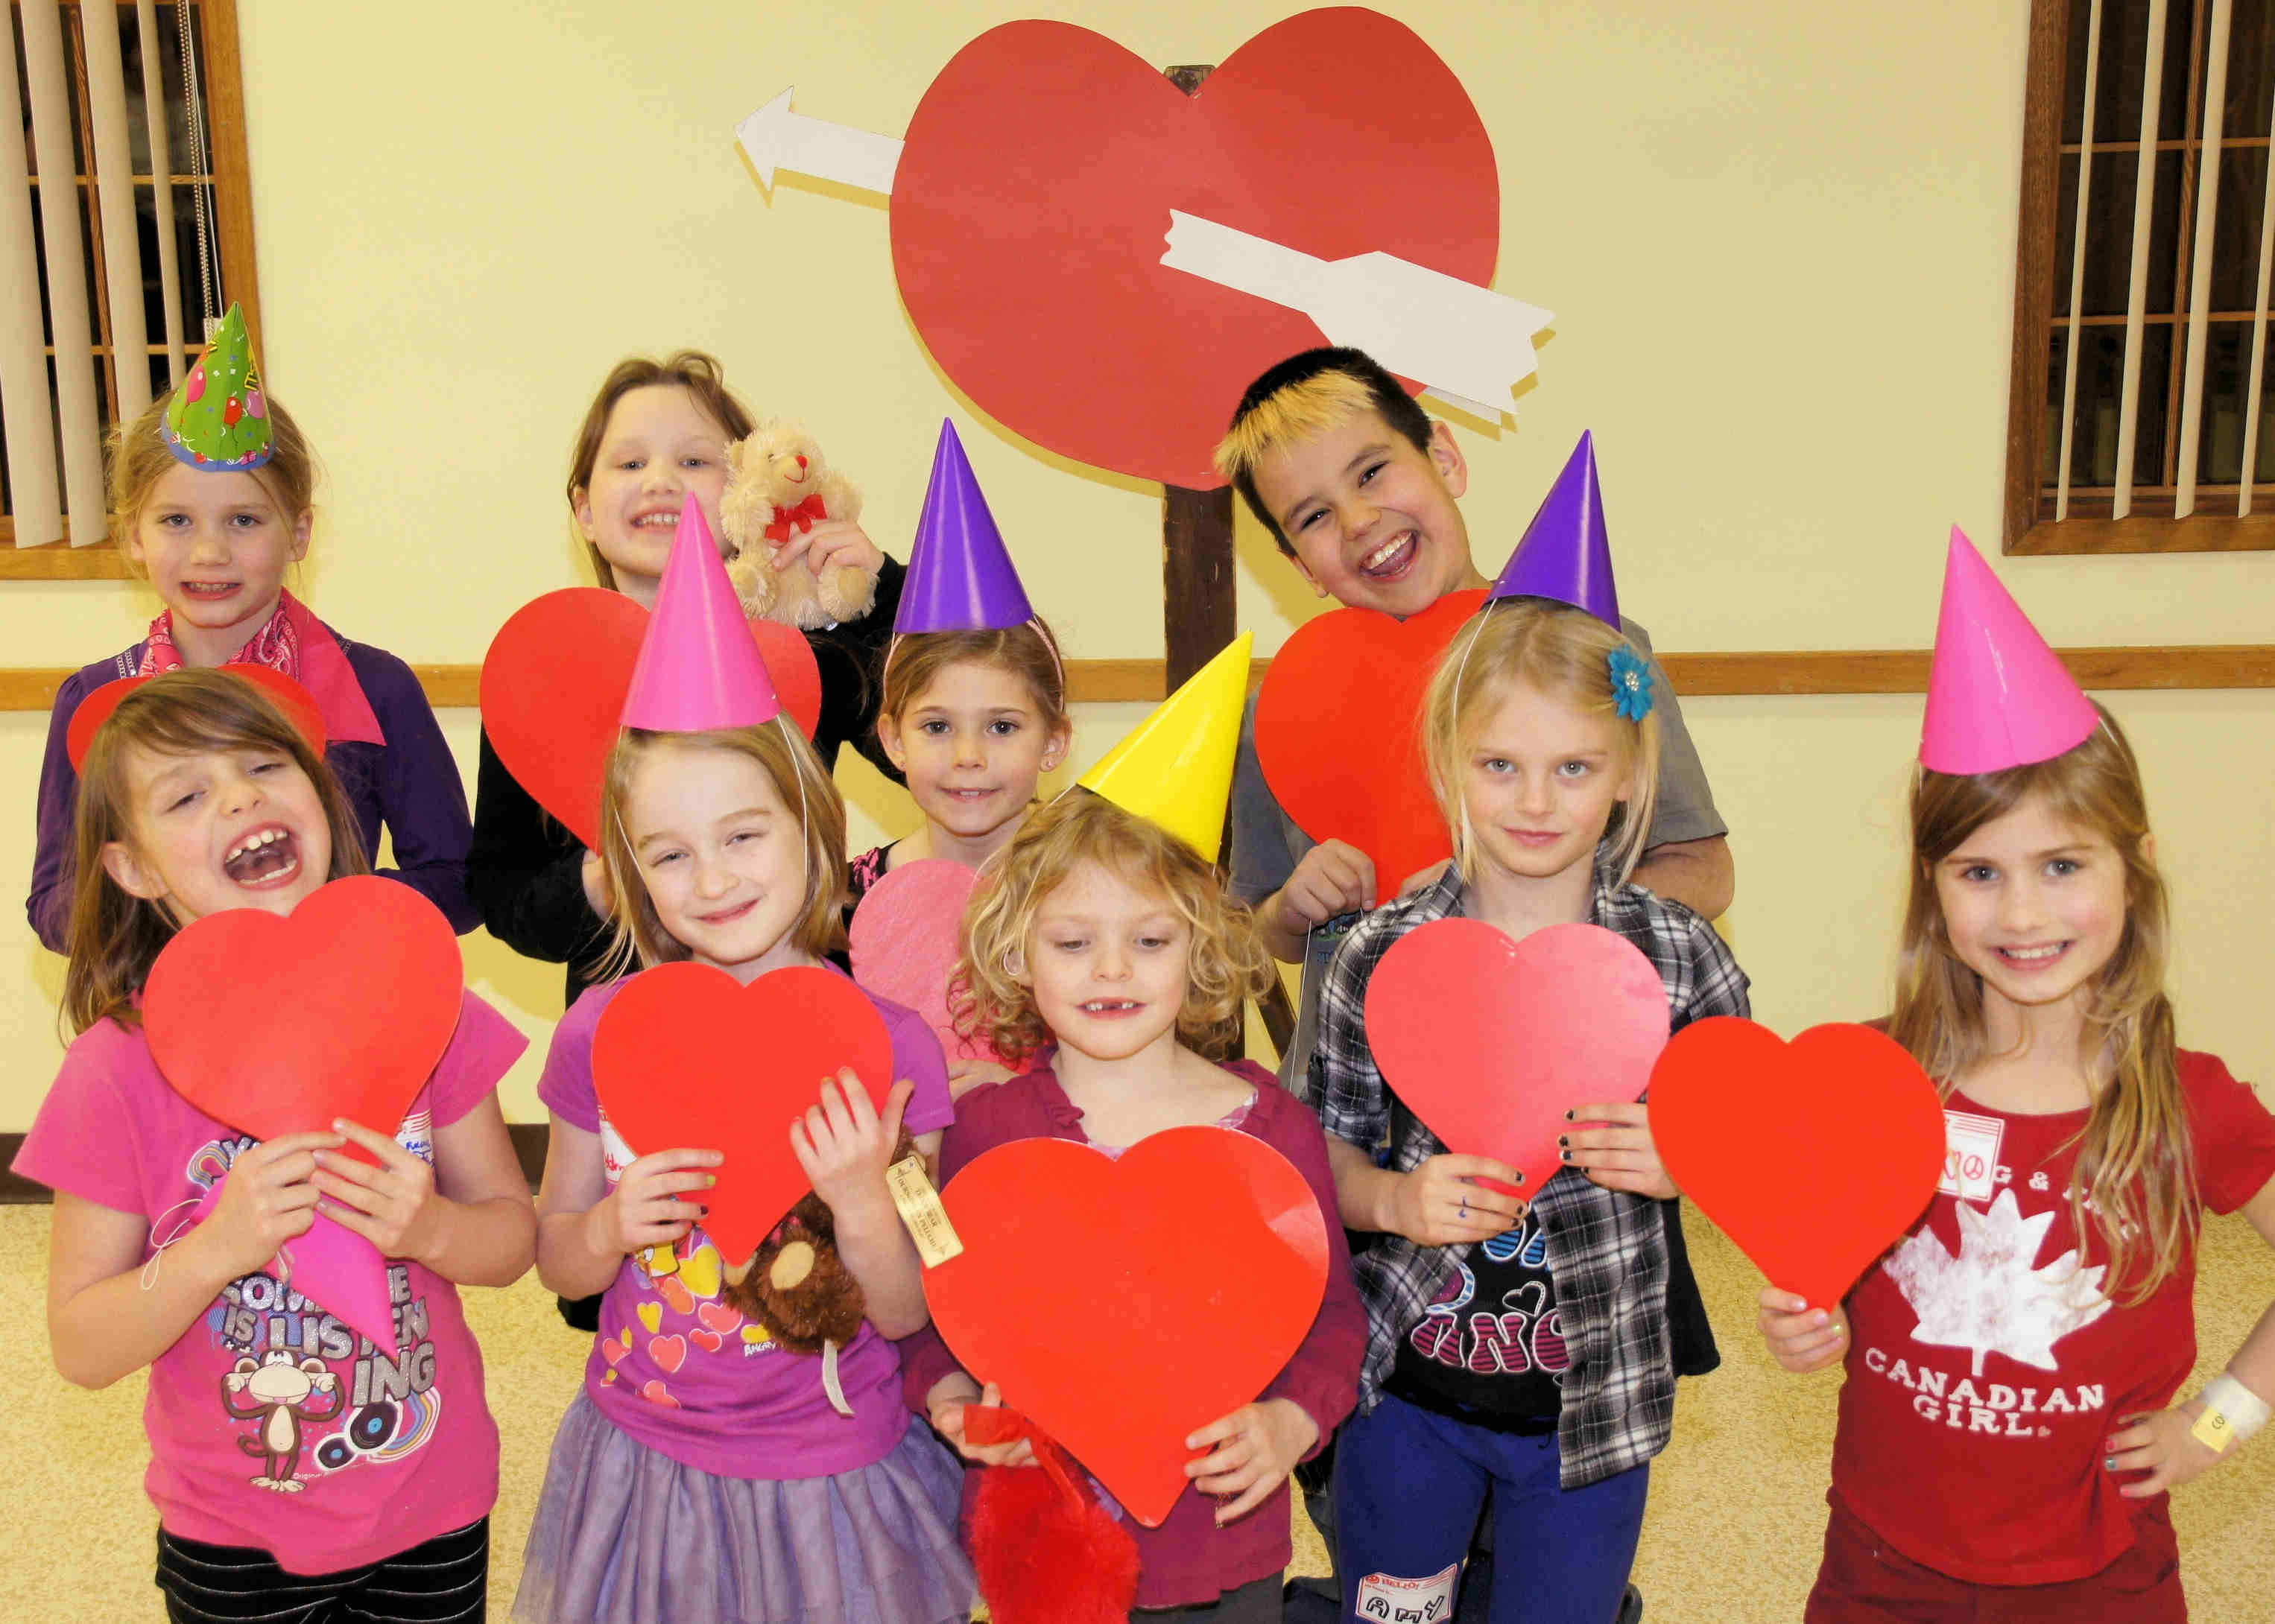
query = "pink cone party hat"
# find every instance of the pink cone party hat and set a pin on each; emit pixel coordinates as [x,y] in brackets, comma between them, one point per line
[960,574]
[699,666]
[1996,696]
[1565,554]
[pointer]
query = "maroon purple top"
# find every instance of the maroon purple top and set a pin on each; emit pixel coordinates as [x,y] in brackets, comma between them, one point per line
[411,784]
[1188,1560]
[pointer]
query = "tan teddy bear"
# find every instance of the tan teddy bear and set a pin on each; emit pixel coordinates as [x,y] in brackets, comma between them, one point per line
[779,484]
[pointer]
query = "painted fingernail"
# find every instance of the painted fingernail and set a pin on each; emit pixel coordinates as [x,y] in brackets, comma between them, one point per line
[1571,1117]
[2109,1463]
[1565,1140]
[1567,1155]
[709,1179]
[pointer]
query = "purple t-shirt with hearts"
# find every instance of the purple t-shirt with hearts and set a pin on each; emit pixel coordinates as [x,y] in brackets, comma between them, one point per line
[676,1368]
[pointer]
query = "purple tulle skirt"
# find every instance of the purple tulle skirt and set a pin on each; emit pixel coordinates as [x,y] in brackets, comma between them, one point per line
[626,1535]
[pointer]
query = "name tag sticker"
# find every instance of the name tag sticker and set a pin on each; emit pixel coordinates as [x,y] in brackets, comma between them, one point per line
[1971,1157]
[1408,1601]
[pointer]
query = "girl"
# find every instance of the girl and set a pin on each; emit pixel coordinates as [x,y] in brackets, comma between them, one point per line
[213,514]
[2007,1432]
[1098,932]
[380,1503]
[1557,1390]
[727,847]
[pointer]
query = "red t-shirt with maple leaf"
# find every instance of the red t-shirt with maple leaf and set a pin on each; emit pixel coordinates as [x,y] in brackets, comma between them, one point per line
[1985,1372]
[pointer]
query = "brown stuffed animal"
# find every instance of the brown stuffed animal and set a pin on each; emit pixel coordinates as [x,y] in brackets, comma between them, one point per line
[797,1286]
[778,485]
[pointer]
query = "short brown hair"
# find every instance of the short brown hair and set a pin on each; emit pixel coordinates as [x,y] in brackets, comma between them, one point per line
[1229,964]
[795,772]
[1027,650]
[140,459]
[700,375]
[115,937]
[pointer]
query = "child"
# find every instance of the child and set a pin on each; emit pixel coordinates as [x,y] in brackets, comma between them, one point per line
[1359,488]
[210,488]
[2005,1442]
[974,710]
[1098,932]
[657,431]
[726,846]
[379,1505]
[1541,740]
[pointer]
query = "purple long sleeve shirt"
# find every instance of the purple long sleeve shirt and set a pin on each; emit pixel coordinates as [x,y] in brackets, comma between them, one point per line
[411,784]
[1187,1562]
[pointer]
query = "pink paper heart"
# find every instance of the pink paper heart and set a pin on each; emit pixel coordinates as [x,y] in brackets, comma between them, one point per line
[903,941]
[334,1268]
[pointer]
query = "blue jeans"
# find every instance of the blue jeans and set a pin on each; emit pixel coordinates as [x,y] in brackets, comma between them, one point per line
[1409,1489]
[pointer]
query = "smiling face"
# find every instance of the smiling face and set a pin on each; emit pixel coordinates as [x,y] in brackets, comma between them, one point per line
[973,745]
[215,545]
[723,860]
[1108,964]
[659,445]
[221,830]
[1373,519]
[1540,778]
[2033,903]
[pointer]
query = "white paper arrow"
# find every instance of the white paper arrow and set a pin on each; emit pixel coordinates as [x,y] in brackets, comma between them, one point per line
[775,137]
[1469,345]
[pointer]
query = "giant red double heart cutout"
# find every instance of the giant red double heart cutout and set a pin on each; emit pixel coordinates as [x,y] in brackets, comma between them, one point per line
[1124,1304]
[1490,1041]
[553,693]
[1814,1156]
[1339,732]
[276,1024]
[686,1057]
[1032,204]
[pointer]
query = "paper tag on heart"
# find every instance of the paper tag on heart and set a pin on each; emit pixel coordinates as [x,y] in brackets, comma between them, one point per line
[687,1058]
[1814,1157]
[553,693]
[1084,1281]
[904,940]
[1490,1041]
[270,1024]
[1361,779]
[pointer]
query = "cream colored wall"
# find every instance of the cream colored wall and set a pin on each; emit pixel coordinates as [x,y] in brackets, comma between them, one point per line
[1778,236]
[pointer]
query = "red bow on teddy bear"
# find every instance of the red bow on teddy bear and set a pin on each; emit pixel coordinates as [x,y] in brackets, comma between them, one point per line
[803,517]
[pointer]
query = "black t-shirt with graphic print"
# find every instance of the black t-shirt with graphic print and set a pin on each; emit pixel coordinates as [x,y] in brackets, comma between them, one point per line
[1490,1351]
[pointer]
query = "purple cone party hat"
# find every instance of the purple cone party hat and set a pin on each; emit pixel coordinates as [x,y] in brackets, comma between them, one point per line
[699,666]
[1996,696]
[960,575]
[1565,554]
[218,420]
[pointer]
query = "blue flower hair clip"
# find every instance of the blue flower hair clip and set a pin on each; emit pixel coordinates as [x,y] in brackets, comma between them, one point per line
[1630,682]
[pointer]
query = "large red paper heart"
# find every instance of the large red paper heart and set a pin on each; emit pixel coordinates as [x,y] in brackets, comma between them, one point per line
[906,938]
[1123,1304]
[686,1057]
[553,693]
[1032,204]
[297,704]
[1815,1156]
[1490,1041]
[277,1025]
[1359,778]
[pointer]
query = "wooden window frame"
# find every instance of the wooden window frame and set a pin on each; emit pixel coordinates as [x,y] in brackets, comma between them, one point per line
[223,87]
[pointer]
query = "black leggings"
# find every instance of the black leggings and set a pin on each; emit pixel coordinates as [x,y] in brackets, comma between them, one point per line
[443,1581]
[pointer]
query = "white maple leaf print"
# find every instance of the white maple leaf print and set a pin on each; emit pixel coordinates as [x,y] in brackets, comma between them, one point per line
[1990,1298]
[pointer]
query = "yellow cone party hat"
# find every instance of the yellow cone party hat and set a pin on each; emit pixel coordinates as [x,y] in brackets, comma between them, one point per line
[1175,766]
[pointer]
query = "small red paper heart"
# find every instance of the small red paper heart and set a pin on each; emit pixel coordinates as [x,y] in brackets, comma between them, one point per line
[1041,166]
[717,1316]
[668,1353]
[709,1341]
[1814,1156]
[1361,779]
[904,940]
[297,704]
[553,693]
[270,1024]
[654,1394]
[686,1057]
[1085,1281]
[1490,1041]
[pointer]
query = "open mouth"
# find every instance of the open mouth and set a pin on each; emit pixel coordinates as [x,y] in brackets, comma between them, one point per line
[2034,957]
[664,519]
[210,590]
[267,856]
[1390,560]
[1111,1008]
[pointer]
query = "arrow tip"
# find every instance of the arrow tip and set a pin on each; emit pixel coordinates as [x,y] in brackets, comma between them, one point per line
[760,136]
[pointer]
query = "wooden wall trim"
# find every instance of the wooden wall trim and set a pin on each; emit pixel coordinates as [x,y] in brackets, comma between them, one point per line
[1777,671]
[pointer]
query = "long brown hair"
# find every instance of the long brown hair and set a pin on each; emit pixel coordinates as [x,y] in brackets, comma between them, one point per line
[2136,1164]
[115,936]
[790,765]
[700,375]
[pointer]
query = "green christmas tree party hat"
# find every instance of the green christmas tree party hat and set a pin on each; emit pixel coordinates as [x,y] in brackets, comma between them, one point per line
[218,418]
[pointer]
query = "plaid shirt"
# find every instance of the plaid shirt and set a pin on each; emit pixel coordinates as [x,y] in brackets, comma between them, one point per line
[1606,1248]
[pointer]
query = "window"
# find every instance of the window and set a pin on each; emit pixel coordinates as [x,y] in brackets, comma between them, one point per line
[132,151]
[2138,420]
